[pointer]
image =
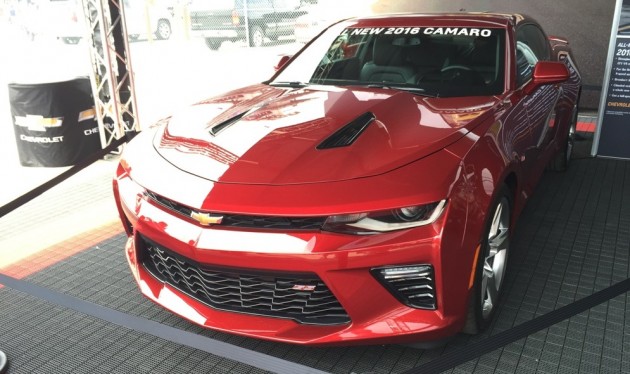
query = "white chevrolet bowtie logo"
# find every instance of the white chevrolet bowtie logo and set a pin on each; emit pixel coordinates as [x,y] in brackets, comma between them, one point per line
[37,123]
[40,123]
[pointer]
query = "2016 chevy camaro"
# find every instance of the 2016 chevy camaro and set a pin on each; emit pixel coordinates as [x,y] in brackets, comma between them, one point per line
[364,194]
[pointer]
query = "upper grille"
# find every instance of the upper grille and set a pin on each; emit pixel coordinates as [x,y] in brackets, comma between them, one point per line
[303,297]
[169,204]
[238,220]
[292,223]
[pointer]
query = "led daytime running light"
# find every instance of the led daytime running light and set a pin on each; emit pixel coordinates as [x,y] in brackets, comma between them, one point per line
[378,222]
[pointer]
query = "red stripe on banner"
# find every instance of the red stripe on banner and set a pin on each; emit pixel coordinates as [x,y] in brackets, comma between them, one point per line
[585,127]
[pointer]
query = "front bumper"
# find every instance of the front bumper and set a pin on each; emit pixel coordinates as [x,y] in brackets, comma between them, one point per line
[344,263]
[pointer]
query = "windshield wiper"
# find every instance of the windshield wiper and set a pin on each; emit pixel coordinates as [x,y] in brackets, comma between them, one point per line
[294,84]
[413,89]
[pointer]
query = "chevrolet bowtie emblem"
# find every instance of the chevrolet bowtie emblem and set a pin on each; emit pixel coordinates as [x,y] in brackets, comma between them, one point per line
[38,123]
[206,219]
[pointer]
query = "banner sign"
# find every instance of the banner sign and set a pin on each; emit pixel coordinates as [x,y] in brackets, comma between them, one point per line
[613,131]
[54,123]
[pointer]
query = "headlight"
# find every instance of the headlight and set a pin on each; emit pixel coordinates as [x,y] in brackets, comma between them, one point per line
[383,221]
[131,193]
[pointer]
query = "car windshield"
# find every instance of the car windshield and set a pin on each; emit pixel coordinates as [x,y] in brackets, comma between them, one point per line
[433,61]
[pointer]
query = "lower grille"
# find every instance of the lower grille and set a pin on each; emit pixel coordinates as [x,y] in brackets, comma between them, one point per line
[413,285]
[303,298]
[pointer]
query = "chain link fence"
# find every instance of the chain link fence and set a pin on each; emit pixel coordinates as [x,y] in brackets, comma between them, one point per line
[256,23]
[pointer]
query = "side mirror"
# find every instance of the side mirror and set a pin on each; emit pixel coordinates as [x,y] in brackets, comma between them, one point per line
[283,60]
[547,72]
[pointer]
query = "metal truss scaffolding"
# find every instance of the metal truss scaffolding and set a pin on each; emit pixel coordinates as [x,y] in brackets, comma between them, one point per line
[112,75]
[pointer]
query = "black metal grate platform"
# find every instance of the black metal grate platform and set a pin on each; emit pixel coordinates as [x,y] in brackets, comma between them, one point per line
[572,240]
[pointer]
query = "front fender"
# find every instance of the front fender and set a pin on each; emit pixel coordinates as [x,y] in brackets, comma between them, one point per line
[485,167]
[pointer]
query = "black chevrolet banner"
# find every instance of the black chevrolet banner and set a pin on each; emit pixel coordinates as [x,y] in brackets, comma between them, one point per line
[613,137]
[54,123]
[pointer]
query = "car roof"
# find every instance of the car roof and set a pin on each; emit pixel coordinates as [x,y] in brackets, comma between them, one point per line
[443,19]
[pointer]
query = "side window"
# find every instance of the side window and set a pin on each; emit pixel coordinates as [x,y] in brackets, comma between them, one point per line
[525,62]
[531,46]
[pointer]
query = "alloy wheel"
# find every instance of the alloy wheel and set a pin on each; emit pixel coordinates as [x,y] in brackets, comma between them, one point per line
[494,264]
[164,30]
[257,37]
[571,136]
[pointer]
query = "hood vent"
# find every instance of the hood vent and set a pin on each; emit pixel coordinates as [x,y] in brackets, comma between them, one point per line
[223,125]
[349,133]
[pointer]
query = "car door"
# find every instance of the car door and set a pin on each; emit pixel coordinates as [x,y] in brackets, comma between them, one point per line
[533,46]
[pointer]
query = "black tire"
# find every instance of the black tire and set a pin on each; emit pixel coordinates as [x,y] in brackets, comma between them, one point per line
[561,161]
[491,264]
[163,31]
[213,44]
[256,36]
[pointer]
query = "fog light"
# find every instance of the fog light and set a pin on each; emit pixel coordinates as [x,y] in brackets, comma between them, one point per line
[413,285]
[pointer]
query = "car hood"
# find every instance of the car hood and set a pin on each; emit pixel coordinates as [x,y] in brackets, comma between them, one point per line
[277,136]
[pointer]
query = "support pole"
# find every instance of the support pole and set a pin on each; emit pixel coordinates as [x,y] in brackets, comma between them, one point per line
[112,75]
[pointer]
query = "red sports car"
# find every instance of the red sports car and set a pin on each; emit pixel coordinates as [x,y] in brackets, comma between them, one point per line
[366,193]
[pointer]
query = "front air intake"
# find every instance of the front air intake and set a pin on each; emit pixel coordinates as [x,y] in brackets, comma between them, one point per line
[413,285]
[302,297]
[349,133]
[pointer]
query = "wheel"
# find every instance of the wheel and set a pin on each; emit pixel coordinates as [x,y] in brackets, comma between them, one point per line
[213,44]
[561,161]
[256,36]
[71,40]
[133,37]
[491,264]
[163,31]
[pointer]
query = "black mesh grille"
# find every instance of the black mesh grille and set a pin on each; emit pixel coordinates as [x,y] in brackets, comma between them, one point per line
[169,204]
[293,223]
[245,221]
[413,285]
[303,298]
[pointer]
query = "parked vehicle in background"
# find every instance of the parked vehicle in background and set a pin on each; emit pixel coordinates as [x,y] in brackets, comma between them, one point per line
[144,19]
[69,26]
[318,16]
[62,19]
[252,20]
